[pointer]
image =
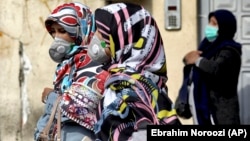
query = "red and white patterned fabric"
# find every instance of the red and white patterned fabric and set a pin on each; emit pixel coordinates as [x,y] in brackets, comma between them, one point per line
[77,70]
[76,19]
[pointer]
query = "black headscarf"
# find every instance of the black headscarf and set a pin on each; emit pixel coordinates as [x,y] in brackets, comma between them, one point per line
[227,29]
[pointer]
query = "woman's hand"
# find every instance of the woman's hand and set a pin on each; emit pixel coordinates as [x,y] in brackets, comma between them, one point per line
[191,57]
[45,93]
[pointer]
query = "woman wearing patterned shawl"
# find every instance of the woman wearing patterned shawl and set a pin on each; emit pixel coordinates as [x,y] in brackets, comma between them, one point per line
[72,26]
[214,69]
[129,44]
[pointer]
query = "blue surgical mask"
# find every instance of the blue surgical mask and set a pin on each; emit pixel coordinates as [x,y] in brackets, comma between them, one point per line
[211,33]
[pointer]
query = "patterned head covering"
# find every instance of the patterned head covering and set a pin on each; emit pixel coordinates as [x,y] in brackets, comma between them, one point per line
[133,37]
[135,93]
[76,19]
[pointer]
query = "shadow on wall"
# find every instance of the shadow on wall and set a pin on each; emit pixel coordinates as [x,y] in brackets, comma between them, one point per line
[145,3]
[244,97]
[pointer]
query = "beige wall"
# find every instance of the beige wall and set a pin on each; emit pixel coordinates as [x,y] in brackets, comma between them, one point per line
[22,22]
[177,43]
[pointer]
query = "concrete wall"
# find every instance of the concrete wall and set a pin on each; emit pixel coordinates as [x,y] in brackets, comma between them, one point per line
[26,67]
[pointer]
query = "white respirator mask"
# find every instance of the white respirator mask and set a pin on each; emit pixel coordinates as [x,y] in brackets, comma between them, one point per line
[59,49]
[96,50]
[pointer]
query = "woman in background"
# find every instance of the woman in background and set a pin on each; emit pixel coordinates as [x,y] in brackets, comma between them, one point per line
[214,70]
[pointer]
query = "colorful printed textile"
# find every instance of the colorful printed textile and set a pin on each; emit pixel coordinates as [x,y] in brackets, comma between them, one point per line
[76,71]
[79,72]
[76,19]
[136,92]
[79,103]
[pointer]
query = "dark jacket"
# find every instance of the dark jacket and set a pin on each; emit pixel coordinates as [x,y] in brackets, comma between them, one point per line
[220,74]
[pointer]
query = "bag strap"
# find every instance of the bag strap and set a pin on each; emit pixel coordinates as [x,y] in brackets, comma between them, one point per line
[45,131]
[58,124]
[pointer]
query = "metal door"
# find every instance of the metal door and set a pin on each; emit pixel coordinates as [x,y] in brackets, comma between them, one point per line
[241,9]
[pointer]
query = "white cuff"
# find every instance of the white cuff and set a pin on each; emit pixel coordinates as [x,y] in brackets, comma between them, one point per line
[197,62]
